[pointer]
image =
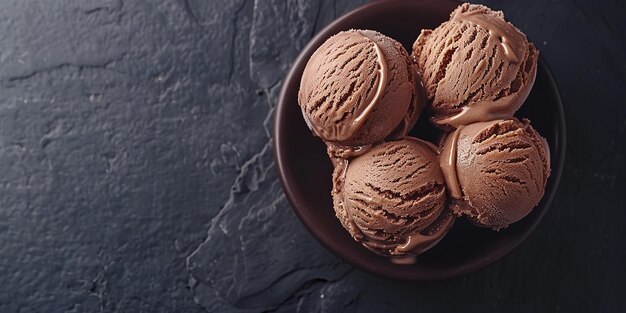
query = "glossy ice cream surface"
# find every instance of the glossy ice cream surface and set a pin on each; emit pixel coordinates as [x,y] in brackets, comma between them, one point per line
[392,199]
[475,67]
[358,88]
[496,172]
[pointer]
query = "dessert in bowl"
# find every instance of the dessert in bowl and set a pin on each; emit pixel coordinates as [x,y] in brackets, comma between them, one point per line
[308,151]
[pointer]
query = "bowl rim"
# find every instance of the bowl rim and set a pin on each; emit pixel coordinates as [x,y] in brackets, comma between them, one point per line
[405,275]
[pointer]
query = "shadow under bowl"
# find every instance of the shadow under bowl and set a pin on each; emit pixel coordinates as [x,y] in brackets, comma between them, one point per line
[305,170]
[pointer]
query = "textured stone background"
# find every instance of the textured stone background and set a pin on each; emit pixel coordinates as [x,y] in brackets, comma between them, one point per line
[137,175]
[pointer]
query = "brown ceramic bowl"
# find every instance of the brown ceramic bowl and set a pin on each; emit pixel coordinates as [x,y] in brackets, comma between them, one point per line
[305,170]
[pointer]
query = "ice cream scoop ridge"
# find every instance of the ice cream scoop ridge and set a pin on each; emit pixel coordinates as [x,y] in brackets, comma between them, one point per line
[448,159]
[478,18]
[380,88]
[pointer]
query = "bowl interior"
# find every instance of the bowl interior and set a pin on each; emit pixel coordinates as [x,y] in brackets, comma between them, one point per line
[305,170]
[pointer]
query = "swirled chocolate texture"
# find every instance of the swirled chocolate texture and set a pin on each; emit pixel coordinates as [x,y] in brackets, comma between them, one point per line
[359,87]
[392,199]
[476,67]
[496,172]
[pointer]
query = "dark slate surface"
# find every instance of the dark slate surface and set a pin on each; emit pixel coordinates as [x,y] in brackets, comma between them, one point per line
[137,173]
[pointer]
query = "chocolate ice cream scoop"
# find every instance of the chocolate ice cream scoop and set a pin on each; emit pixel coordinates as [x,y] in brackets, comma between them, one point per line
[358,88]
[392,199]
[476,67]
[496,172]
